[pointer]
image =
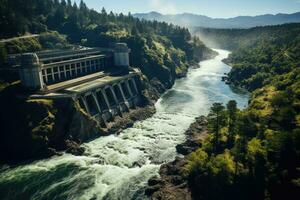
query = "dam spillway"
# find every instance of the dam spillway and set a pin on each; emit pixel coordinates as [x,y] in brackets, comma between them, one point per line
[107,97]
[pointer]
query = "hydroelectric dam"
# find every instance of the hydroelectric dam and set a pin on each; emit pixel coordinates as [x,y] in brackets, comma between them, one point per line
[100,79]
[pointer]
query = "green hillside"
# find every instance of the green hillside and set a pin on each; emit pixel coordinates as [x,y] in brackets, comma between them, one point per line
[255,153]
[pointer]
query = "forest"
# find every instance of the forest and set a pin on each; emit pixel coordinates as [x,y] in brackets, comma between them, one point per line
[254,153]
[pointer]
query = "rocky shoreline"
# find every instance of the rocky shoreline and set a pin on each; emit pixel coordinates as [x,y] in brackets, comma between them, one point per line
[117,126]
[172,185]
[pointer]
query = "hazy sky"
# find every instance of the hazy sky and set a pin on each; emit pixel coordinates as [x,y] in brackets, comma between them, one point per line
[212,8]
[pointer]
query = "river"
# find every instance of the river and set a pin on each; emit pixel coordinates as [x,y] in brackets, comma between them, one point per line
[118,166]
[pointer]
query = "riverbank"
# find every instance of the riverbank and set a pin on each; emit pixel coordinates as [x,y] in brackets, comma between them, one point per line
[172,185]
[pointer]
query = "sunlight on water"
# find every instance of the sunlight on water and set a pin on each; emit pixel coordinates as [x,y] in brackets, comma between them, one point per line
[118,167]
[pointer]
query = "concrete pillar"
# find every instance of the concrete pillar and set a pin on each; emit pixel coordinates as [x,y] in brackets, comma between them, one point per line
[106,99]
[123,95]
[120,87]
[80,67]
[134,84]
[97,103]
[121,55]
[85,104]
[52,73]
[116,100]
[76,73]
[114,94]
[71,70]
[58,70]
[42,82]
[65,71]
[86,66]
[31,71]
[46,75]
[129,89]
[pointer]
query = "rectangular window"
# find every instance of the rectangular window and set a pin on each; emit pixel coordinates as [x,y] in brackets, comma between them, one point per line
[62,76]
[68,75]
[83,70]
[88,68]
[73,72]
[67,67]
[56,77]
[78,71]
[93,68]
[50,79]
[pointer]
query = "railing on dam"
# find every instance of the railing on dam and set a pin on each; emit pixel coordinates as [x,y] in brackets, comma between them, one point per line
[65,70]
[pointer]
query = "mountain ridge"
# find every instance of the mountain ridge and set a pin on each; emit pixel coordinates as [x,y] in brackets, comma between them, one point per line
[195,20]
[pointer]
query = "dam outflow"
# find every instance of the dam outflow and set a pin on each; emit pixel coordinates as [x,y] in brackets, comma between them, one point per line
[119,166]
[100,79]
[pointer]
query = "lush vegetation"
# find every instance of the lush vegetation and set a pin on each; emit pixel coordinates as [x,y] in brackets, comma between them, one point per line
[161,50]
[234,39]
[247,156]
[261,55]
[254,153]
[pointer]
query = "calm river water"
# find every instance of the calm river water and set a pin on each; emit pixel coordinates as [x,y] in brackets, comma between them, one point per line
[118,167]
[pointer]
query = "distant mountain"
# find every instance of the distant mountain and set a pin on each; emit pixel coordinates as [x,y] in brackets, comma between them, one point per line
[192,20]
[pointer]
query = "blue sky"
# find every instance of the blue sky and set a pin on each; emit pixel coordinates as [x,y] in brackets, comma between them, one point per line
[211,8]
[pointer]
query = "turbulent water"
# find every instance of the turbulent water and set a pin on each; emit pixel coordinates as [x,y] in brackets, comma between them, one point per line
[118,167]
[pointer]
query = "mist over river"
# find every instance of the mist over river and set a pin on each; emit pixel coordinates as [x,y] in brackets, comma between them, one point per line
[118,167]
